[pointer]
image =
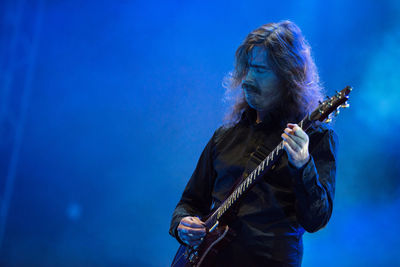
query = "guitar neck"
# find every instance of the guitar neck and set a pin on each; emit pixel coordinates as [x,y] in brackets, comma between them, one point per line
[249,181]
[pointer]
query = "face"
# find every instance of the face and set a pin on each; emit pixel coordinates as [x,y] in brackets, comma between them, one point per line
[260,84]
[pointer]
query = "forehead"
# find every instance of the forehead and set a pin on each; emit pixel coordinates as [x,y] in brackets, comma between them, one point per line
[258,56]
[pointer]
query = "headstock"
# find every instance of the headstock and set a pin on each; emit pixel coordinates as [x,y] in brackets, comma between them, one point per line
[332,104]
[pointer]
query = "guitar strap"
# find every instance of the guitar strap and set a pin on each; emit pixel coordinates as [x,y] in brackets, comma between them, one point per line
[255,159]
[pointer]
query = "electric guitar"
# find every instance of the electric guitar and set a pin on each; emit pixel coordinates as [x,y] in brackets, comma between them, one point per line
[219,234]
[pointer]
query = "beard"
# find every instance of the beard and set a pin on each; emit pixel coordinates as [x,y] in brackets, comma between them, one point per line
[262,102]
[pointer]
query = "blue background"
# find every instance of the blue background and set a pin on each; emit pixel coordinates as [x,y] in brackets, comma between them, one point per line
[123,96]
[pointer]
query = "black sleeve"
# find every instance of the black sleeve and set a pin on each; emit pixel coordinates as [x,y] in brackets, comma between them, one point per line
[196,198]
[314,184]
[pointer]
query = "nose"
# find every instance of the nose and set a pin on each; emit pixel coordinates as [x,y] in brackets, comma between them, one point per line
[250,78]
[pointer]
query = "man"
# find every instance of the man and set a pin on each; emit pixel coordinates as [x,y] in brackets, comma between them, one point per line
[280,85]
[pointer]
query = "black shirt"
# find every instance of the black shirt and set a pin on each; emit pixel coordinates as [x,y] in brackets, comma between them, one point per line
[274,214]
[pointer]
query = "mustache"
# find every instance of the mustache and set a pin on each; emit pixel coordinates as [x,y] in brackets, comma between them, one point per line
[250,88]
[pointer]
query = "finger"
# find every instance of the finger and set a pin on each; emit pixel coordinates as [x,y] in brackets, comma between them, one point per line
[192,231]
[190,235]
[299,141]
[189,241]
[300,133]
[289,131]
[191,225]
[297,130]
[197,220]
[288,149]
[193,222]
[294,146]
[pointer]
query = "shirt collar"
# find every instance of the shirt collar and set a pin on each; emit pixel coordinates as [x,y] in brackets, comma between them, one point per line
[273,119]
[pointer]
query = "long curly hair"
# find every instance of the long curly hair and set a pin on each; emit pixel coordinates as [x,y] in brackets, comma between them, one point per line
[290,59]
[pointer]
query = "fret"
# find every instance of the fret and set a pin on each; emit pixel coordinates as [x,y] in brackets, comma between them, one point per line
[243,186]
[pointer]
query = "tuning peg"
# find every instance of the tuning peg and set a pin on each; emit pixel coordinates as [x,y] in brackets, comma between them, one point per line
[345,105]
[329,100]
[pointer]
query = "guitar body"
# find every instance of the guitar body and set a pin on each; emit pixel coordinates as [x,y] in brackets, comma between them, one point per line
[204,254]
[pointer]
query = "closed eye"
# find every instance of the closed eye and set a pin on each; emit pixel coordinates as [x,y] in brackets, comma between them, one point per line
[260,68]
